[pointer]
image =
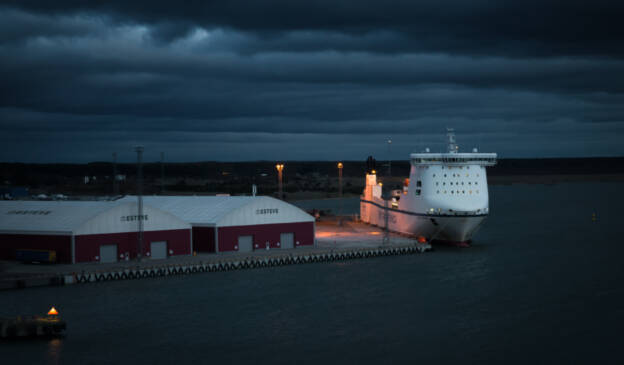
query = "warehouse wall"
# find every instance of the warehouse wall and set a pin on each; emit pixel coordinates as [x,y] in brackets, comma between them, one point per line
[204,239]
[11,242]
[88,246]
[262,233]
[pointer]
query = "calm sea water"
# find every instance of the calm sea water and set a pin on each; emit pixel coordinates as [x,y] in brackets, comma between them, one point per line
[541,284]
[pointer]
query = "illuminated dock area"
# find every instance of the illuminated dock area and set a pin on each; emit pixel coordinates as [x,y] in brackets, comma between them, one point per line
[334,242]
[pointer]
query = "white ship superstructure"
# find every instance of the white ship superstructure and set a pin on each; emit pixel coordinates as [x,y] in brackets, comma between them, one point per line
[444,199]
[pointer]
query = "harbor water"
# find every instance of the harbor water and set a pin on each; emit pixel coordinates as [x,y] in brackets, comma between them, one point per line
[542,283]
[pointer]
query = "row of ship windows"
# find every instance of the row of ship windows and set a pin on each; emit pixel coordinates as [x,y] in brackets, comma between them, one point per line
[457,183]
[455,175]
[457,192]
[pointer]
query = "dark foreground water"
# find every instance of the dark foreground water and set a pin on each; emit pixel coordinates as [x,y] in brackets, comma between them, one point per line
[542,284]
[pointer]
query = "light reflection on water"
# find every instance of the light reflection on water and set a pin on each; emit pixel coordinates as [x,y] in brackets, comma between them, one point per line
[55,346]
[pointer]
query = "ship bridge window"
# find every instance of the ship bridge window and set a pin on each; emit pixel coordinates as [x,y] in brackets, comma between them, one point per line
[418,183]
[417,192]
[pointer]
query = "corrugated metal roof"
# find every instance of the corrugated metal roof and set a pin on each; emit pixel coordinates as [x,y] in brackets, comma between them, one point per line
[48,216]
[210,210]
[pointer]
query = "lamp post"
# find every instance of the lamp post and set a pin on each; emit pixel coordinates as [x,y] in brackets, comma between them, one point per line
[340,192]
[139,151]
[279,168]
[340,179]
[389,158]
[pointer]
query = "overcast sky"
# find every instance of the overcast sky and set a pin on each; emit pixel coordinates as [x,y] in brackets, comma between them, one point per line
[308,80]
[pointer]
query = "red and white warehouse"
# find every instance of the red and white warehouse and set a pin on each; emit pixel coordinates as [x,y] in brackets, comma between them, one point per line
[238,223]
[107,231]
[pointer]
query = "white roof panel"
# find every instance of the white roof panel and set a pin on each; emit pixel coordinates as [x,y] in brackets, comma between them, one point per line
[82,217]
[47,216]
[221,210]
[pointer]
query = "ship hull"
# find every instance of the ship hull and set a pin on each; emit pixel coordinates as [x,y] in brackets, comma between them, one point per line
[453,229]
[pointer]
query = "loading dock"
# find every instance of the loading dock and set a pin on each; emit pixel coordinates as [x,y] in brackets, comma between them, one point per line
[108,253]
[245,243]
[287,240]
[158,250]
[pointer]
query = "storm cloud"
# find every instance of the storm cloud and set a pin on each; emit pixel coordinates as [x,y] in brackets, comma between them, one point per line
[283,80]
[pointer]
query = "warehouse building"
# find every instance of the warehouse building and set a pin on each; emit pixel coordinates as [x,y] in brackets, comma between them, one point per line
[107,231]
[81,231]
[238,223]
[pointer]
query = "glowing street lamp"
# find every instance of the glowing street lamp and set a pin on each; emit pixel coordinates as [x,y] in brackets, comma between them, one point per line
[279,168]
[340,189]
[340,179]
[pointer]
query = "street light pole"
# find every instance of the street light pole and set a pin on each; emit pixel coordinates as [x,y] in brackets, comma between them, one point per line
[340,192]
[389,158]
[139,151]
[279,168]
[340,179]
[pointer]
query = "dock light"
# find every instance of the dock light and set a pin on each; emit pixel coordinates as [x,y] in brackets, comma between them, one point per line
[53,312]
[340,185]
[421,239]
[373,172]
[280,167]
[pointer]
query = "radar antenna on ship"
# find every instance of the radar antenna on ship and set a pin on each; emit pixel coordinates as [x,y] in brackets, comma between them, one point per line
[452,145]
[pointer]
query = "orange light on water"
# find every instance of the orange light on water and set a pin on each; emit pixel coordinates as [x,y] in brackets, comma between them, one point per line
[53,312]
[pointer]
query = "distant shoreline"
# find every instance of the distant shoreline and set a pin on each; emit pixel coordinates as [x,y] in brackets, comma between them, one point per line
[553,178]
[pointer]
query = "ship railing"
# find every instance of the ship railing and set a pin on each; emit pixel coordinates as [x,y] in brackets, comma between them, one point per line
[459,161]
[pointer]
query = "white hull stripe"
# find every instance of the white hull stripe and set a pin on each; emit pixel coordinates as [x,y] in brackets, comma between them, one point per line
[423,214]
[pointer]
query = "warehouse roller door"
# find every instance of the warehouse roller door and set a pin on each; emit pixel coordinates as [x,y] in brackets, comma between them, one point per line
[108,253]
[287,240]
[158,250]
[245,243]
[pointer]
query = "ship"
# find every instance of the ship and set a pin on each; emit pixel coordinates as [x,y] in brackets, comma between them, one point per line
[444,200]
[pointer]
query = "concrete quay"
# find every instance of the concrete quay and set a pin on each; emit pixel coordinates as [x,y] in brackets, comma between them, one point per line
[335,241]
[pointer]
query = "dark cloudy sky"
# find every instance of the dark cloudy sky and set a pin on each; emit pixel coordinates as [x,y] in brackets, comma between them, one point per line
[306,80]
